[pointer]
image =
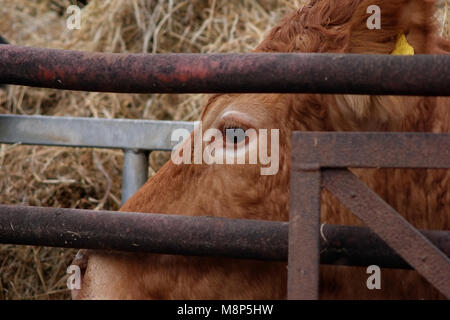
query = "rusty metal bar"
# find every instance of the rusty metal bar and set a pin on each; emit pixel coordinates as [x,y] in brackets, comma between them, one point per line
[231,73]
[360,246]
[304,244]
[175,234]
[408,242]
[142,232]
[2,41]
[373,149]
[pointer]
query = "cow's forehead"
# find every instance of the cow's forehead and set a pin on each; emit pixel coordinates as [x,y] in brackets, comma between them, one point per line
[213,103]
[251,104]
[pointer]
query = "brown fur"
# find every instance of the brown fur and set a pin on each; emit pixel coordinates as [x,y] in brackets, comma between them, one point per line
[239,191]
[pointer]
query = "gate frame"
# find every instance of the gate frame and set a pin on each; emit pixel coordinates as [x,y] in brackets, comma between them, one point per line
[319,160]
[136,138]
[289,73]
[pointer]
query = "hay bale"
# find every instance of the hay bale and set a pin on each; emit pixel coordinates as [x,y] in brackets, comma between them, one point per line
[91,178]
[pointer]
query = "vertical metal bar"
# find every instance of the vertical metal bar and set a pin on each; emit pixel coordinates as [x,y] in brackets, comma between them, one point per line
[304,243]
[135,172]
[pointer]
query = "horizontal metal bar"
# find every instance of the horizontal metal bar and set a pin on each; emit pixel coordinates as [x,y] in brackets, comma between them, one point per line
[395,230]
[90,132]
[215,73]
[203,236]
[370,149]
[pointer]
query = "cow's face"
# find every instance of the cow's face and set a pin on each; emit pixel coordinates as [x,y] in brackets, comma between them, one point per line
[198,184]
[244,190]
[251,191]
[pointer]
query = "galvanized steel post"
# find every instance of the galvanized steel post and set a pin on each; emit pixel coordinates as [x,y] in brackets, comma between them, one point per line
[135,172]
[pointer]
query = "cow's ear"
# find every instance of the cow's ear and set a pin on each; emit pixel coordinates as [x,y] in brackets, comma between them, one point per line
[376,25]
[406,27]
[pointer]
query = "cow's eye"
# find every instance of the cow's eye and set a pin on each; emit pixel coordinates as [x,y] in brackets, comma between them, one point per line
[234,134]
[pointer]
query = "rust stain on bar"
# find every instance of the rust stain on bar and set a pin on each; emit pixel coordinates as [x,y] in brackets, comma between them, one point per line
[228,73]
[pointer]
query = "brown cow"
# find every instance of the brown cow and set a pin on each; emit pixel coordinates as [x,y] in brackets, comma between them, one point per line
[240,191]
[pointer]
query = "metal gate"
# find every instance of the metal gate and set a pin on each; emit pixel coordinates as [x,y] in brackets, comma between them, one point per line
[319,159]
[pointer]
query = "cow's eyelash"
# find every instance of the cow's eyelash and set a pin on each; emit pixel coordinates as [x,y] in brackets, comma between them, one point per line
[231,123]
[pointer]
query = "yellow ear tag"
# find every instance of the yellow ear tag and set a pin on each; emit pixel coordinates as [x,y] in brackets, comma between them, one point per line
[402,47]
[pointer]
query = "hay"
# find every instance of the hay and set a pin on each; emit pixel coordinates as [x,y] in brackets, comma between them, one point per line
[86,178]
[90,178]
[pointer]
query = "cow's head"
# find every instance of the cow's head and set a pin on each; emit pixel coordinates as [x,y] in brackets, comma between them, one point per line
[241,190]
